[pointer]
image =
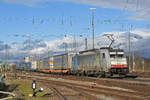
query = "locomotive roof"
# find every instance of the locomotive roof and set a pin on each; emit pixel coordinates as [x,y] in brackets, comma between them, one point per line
[91,50]
[113,50]
[63,54]
[106,48]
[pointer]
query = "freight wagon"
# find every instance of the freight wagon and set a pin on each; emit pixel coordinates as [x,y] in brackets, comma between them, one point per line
[27,66]
[34,66]
[59,63]
[19,66]
[46,65]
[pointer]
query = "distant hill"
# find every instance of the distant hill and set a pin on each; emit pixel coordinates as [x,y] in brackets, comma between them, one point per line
[140,40]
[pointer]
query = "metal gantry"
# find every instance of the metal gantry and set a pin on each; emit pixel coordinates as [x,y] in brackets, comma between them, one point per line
[28,36]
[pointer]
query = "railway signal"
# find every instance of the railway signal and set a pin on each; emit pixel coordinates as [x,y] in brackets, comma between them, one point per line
[34,87]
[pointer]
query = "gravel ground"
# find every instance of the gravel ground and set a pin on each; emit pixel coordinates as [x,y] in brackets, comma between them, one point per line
[103,89]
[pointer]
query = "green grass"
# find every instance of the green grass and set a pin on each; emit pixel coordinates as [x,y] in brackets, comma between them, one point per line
[24,87]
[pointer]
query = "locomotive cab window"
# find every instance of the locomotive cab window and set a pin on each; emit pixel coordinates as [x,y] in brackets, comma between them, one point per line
[112,56]
[103,55]
[120,55]
[117,56]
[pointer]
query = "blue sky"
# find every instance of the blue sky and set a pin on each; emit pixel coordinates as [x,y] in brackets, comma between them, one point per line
[54,18]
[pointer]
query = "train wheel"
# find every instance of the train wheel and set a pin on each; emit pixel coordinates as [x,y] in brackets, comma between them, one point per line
[74,74]
[78,74]
[82,74]
[100,75]
[107,75]
[111,74]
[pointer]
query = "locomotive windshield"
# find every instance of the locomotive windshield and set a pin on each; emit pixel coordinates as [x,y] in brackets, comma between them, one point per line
[117,55]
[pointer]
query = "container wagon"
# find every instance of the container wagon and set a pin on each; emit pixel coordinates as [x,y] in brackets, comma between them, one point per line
[58,63]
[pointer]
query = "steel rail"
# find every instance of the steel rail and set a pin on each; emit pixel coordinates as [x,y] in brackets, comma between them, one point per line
[59,94]
[8,93]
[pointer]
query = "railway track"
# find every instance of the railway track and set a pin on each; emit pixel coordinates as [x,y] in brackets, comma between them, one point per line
[107,91]
[78,95]
[56,87]
[95,91]
[139,85]
[53,84]
[92,78]
[59,94]
[130,81]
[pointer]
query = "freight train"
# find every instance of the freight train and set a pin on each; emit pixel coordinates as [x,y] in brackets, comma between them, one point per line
[103,62]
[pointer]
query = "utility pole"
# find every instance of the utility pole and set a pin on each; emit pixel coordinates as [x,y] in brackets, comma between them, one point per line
[93,28]
[29,42]
[74,44]
[129,46]
[8,57]
[133,58]
[65,47]
[6,54]
[65,44]
[86,47]
[48,52]
[143,64]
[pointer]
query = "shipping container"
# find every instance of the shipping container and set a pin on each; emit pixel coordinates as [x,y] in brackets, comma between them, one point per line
[34,65]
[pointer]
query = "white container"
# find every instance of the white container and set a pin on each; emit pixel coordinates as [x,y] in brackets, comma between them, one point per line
[34,65]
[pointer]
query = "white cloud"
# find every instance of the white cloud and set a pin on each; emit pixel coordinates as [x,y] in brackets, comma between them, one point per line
[140,38]
[139,41]
[55,45]
[26,2]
